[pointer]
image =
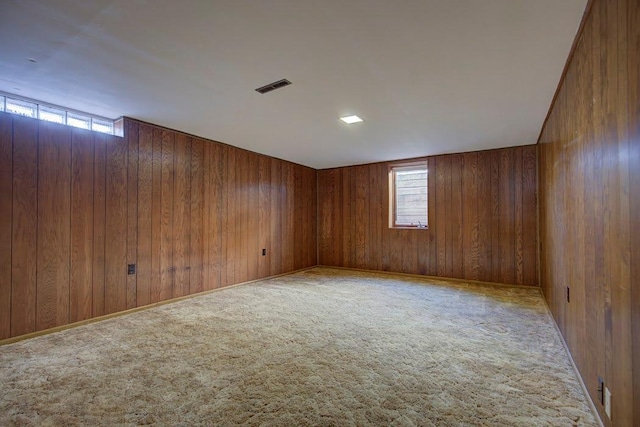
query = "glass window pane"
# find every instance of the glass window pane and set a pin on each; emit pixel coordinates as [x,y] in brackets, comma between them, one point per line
[23,108]
[411,197]
[55,114]
[51,114]
[101,125]
[78,120]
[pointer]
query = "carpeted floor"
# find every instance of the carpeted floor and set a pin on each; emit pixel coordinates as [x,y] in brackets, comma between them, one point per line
[319,348]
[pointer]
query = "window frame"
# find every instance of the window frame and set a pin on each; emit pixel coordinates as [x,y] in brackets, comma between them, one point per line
[401,167]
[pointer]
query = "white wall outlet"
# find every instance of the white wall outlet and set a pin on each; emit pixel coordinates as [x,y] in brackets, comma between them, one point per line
[607,402]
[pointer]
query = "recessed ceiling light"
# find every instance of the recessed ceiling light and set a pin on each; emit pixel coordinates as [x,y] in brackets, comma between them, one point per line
[351,119]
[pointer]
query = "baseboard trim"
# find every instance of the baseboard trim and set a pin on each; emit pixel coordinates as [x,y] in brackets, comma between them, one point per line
[136,309]
[585,391]
[421,276]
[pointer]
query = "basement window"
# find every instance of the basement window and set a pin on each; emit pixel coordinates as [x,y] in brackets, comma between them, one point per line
[408,195]
[49,113]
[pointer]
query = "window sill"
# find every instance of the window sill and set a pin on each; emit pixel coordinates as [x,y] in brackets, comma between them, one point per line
[408,228]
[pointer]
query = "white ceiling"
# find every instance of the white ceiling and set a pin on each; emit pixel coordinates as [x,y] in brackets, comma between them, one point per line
[427,76]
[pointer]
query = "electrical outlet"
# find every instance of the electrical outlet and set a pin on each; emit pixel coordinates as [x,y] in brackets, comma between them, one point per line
[264,252]
[607,402]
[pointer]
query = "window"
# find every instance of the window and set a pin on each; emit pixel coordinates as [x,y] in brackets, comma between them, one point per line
[37,110]
[408,195]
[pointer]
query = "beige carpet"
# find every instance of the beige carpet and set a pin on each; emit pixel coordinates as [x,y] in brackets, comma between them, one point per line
[319,348]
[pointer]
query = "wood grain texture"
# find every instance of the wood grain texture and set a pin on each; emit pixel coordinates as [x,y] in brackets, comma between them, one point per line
[253,216]
[589,202]
[144,213]
[116,216]
[6,207]
[484,207]
[192,214]
[24,226]
[634,192]
[54,213]
[288,217]
[196,248]
[472,226]
[469,207]
[275,257]
[213,214]
[99,223]
[156,291]
[167,184]
[264,179]
[182,215]
[230,205]
[132,138]
[81,268]
[456,216]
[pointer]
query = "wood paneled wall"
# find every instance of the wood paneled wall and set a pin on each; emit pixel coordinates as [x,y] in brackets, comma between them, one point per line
[77,207]
[590,199]
[482,218]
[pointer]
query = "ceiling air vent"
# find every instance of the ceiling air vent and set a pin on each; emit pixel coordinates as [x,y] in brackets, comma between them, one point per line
[273,86]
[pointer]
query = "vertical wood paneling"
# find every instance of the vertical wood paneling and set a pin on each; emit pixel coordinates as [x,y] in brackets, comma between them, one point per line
[633,80]
[441,214]
[335,246]
[157,292]
[115,295]
[298,202]
[456,217]
[241,217]
[6,205]
[288,219]
[214,215]
[496,235]
[196,250]
[264,227]
[99,223]
[80,206]
[24,226]
[181,215]
[54,213]
[275,255]
[145,214]
[621,289]
[81,271]
[507,216]
[376,180]
[518,219]
[529,222]
[588,205]
[253,215]
[432,218]
[208,281]
[347,245]
[472,214]
[132,138]
[448,225]
[311,192]
[485,247]
[230,243]
[361,217]
[167,267]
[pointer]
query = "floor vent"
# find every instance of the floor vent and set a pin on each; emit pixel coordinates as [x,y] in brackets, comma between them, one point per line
[273,86]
